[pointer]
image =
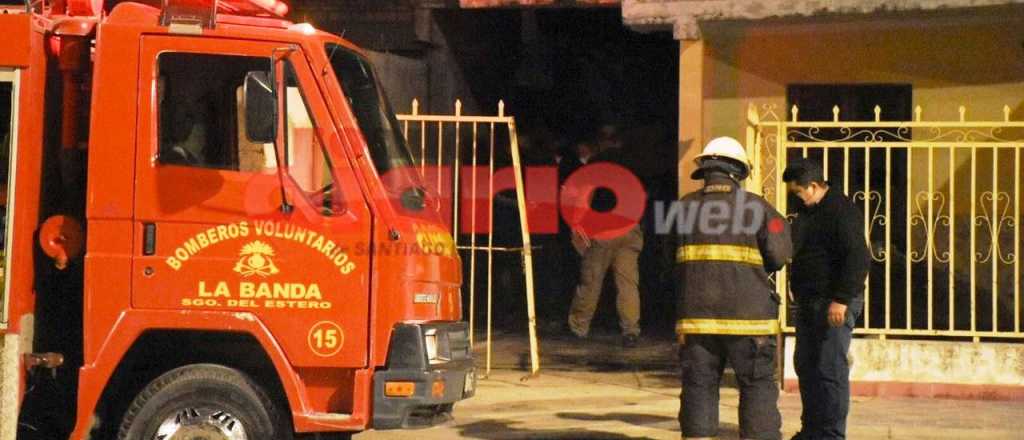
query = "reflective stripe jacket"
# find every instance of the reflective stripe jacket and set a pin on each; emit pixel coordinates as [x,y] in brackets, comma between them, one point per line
[728,240]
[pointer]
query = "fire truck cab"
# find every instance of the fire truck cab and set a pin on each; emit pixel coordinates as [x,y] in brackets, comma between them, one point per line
[213,229]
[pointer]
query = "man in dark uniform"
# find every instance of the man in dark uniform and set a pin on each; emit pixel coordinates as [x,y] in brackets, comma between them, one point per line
[828,272]
[727,307]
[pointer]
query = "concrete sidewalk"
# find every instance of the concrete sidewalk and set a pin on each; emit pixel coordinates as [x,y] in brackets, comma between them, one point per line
[597,390]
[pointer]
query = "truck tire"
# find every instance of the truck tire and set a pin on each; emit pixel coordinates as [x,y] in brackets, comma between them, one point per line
[203,401]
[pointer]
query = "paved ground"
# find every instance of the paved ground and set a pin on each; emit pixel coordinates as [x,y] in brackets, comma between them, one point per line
[597,390]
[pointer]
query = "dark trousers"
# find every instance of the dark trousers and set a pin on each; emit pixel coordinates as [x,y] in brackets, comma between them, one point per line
[820,360]
[555,268]
[753,360]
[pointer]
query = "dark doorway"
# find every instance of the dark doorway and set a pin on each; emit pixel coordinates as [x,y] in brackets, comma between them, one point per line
[564,73]
[856,101]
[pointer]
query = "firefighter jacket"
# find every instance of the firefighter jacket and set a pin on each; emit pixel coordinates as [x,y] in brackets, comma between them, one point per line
[728,240]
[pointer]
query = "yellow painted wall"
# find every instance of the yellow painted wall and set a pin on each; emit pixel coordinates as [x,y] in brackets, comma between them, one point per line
[977,61]
[691,104]
[947,62]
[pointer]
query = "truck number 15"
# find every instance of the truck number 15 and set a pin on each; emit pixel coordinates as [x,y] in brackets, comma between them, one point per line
[325,338]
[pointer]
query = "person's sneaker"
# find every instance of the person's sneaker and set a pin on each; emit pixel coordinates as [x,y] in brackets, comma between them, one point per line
[802,436]
[630,341]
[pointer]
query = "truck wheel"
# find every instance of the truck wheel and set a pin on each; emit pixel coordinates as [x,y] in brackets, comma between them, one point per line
[203,401]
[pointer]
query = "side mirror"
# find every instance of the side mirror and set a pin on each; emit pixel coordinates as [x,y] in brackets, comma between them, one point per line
[260,108]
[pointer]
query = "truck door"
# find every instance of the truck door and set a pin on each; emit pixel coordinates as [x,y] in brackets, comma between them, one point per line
[210,231]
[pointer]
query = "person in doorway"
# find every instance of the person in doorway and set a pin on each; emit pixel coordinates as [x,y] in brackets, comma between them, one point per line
[727,309]
[828,273]
[619,253]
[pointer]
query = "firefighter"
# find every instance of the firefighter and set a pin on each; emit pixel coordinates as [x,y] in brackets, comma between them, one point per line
[728,241]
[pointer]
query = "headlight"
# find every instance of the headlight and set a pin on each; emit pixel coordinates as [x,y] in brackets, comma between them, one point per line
[436,346]
[430,340]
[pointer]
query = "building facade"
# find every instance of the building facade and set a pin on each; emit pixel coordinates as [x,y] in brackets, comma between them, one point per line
[916,110]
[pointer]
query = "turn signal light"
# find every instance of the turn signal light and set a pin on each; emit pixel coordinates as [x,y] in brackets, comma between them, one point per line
[437,390]
[399,389]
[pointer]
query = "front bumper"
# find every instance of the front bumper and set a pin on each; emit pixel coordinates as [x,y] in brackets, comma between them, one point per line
[409,361]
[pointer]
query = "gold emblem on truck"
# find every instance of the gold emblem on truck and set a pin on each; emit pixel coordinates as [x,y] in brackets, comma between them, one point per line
[255,259]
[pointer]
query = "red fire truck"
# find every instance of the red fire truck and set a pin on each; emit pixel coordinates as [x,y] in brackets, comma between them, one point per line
[212,229]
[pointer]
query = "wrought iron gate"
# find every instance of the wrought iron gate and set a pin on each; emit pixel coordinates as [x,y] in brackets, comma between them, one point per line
[942,209]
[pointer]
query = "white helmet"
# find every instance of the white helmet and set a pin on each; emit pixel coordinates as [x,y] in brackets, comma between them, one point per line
[725,148]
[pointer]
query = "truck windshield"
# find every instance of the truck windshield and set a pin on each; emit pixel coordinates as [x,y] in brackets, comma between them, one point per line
[388,149]
[373,113]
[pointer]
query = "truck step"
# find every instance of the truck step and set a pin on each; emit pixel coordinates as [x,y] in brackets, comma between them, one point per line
[330,422]
[330,417]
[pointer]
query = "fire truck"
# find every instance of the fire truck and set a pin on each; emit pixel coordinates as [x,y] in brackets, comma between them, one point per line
[213,229]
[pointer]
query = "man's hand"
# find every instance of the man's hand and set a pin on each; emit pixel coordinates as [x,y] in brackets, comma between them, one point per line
[836,314]
[681,338]
[580,241]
